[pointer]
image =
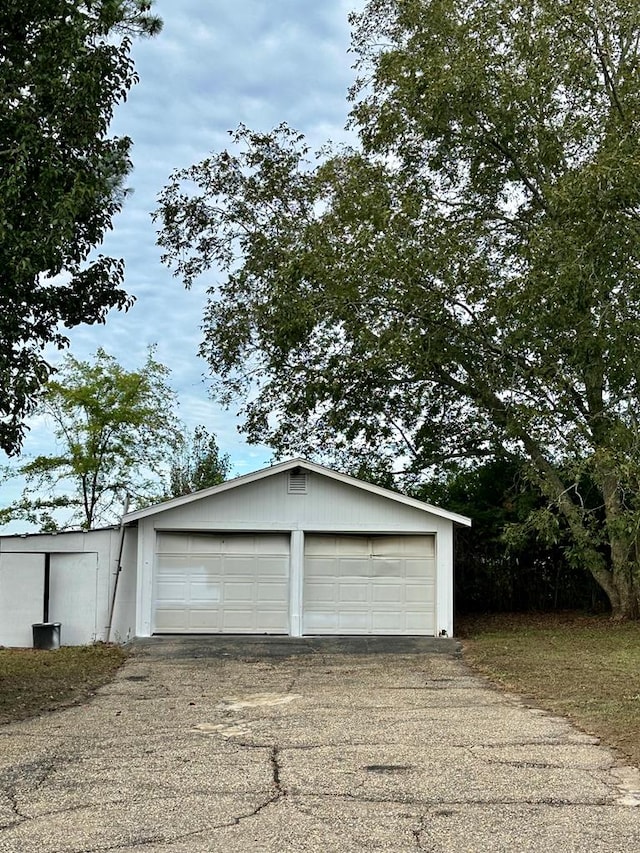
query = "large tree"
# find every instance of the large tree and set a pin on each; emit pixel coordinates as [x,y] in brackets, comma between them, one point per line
[466,281]
[64,65]
[115,432]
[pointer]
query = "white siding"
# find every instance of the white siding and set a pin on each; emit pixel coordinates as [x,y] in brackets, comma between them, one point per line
[73,597]
[123,627]
[266,504]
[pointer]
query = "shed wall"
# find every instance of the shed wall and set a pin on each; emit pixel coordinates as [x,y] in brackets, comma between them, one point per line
[81,584]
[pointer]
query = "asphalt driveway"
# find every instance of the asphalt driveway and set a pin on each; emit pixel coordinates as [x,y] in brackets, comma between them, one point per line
[267,745]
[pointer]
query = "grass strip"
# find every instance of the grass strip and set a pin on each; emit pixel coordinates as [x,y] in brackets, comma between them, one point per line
[586,668]
[33,681]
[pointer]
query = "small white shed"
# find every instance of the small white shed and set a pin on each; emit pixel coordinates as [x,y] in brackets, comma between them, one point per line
[68,578]
[295,549]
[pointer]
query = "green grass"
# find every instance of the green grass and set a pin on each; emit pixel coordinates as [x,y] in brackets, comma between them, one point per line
[584,667]
[33,681]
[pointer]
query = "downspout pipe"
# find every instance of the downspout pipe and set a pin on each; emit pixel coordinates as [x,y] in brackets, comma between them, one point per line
[118,566]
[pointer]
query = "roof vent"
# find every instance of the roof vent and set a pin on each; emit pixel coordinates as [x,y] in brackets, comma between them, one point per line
[297,484]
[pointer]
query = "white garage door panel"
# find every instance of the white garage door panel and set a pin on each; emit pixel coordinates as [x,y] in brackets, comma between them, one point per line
[421,594]
[369,585]
[387,594]
[216,584]
[353,621]
[349,593]
[202,622]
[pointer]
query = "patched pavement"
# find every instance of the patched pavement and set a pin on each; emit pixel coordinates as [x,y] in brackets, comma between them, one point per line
[273,745]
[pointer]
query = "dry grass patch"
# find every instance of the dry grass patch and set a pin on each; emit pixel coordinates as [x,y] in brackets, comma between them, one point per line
[33,681]
[583,667]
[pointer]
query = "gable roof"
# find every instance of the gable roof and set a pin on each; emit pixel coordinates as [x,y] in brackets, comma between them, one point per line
[281,467]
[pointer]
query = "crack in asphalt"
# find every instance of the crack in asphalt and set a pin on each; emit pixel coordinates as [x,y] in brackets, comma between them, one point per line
[478,752]
[12,799]
[39,772]
[279,792]
[509,744]
[489,801]
[418,832]
[293,678]
[275,768]
[613,782]
[32,774]
[118,801]
[308,747]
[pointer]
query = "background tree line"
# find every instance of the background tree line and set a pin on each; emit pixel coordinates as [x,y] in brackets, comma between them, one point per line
[504,562]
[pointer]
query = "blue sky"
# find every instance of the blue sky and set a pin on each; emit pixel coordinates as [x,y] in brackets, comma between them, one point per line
[215,64]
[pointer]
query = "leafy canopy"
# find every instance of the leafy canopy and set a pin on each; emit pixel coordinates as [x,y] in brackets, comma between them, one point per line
[464,283]
[64,65]
[197,464]
[115,432]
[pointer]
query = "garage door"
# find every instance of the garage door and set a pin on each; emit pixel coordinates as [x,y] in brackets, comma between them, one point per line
[369,585]
[232,583]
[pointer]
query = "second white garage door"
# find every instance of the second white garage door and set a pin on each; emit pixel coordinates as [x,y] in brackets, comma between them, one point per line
[369,585]
[235,583]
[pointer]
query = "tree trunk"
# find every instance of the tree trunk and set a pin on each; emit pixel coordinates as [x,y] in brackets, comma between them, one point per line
[621,580]
[621,585]
[624,573]
[629,600]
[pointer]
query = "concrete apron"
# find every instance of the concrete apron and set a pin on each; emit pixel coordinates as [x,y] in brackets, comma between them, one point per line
[271,745]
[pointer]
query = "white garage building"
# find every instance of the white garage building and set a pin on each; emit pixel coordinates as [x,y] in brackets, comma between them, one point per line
[295,549]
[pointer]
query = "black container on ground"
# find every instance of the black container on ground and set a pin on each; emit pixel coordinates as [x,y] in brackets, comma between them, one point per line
[46,635]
